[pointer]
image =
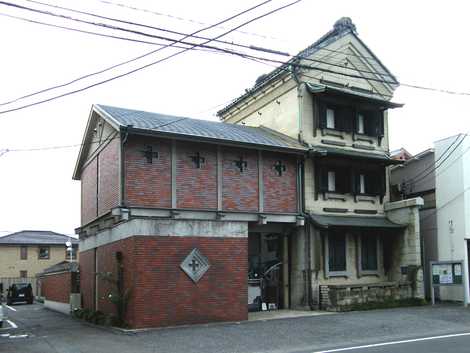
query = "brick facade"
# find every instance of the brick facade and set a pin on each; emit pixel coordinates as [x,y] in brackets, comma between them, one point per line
[240,188]
[108,172]
[89,191]
[56,287]
[87,278]
[196,187]
[280,191]
[147,184]
[161,293]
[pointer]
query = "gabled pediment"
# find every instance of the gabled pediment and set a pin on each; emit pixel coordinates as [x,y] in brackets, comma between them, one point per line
[347,63]
[99,131]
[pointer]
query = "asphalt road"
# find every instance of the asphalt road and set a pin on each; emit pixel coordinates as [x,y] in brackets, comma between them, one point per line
[417,330]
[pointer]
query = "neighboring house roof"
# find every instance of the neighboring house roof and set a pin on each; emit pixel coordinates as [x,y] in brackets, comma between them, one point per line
[195,128]
[400,154]
[36,237]
[64,266]
[342,27]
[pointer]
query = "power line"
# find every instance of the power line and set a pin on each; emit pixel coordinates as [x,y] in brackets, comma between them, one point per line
[165,58]
[187,19]
[442,162]
[209,48]
[435,162]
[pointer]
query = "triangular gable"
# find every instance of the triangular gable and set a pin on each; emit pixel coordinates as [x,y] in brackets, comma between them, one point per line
[345,61]
[100,130]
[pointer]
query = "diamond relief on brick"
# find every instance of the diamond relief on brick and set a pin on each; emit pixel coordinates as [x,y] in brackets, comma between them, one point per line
[195,265]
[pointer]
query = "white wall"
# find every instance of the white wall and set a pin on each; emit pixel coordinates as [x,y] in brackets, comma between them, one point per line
[453,204]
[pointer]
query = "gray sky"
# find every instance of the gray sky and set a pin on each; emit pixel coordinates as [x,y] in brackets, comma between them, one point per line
[423,43]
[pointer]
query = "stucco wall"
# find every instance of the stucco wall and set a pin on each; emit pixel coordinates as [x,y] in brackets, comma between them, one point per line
[11,263]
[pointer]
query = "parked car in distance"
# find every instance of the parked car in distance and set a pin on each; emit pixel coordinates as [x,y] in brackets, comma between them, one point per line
[20,292]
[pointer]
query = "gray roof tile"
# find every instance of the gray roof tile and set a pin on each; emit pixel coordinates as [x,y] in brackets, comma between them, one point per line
[33,237]
[209,130]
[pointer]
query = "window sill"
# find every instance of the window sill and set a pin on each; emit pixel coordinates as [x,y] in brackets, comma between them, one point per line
[363,137]
[366,198]
[332,132]
[334,196]
[375,273]
[330,274]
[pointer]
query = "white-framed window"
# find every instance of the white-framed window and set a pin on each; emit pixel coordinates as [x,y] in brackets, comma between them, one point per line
[362,183]
[331,181]
[330,118]
[360,124]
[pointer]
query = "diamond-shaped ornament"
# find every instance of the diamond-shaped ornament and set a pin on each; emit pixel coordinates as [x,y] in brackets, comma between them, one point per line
[195,265]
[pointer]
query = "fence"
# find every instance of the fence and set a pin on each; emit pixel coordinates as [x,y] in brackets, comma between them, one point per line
[6,282]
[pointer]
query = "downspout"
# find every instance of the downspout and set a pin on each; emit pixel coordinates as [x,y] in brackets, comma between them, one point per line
[124,136]
[299,103]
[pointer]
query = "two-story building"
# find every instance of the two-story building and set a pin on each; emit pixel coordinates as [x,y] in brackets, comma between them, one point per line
[26,253]
[334,97]
[283,204]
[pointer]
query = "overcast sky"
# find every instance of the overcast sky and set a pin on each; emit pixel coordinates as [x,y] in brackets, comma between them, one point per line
[423,43]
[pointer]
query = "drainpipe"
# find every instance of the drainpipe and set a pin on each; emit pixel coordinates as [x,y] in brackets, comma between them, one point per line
[299,104]
[124,136]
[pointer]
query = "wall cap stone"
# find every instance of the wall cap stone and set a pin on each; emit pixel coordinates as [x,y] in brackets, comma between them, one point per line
[414,202]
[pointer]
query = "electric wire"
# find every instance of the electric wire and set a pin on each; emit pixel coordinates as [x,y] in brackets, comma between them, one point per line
[163,59]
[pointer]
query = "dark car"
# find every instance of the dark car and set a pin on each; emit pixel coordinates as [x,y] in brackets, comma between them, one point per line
[20,292]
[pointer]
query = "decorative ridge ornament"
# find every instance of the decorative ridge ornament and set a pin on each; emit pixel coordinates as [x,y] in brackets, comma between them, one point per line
[345,23]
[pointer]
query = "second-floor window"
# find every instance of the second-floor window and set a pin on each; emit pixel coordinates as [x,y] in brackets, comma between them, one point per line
[350,180]
[349,118]
[24,253]
[43,253]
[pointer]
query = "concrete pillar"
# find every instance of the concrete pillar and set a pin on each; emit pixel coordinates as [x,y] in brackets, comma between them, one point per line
[407,249]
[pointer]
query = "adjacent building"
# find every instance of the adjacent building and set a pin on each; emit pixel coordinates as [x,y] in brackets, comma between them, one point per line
[285,202]
[416,177]
[453,205]
[26,253]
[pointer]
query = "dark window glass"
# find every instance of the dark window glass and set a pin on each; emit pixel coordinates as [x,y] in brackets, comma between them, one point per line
[24,253]
[336,252]
[44,253]
[23,274]
[369,253]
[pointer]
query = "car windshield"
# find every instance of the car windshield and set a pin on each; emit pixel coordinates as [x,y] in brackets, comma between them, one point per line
[21,285]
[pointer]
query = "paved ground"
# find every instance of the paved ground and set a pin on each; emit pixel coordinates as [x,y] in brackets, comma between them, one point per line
[41,331]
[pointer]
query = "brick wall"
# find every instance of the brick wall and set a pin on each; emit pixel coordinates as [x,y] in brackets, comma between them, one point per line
[148,184]
[161,293]
[240,189]
[87,278]
[108,186]
[280,192]
[56,287]
[88,191]
[196,187]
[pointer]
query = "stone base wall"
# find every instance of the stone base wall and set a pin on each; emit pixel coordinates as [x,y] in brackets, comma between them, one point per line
[345,297]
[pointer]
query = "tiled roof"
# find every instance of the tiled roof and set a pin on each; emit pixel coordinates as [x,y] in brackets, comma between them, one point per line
[39,237]
[212,131]
[61,267]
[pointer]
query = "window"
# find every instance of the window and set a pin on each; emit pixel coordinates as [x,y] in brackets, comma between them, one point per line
[24,253]
[360,124]
[43,253]
[23,274]
[331,181]
[336,252]
[362,183]
[330,118]
[369,253]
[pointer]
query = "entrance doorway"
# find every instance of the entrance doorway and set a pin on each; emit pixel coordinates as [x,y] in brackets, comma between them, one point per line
[267,271]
